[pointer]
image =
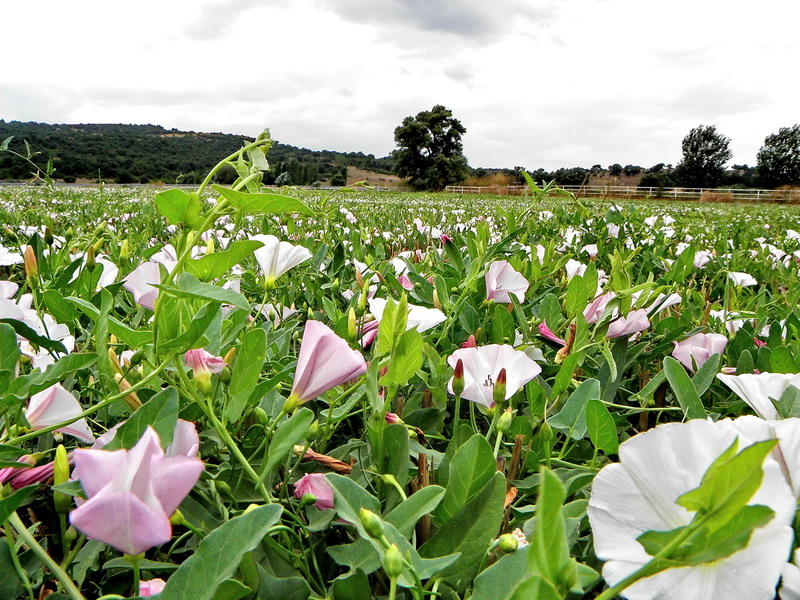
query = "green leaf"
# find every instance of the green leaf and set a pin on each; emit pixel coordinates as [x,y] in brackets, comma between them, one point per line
[130,337]
[189,287]
[499,581]
[217,264]
[197,327]
[782,361]
[395,453]
[393,325]
[684,389]
[601,426]
[232,589]
[349,497]
[470,470]
[246,371]
[29,334]
[571,419]
[352,587]
[536,587]
[28,385]
[729,484]
[180,207]
[160,413]
[406,514]
[57,305]
[9,349]
[406,359]
[706,374]
[285,588]
[219,554]
[264,204]
[549,553]
[288,433]
[502,325]
[11,502]
[469,533]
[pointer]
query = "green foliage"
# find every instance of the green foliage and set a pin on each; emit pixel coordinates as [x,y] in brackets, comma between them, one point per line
[778,160]
[705,153]
[430,149]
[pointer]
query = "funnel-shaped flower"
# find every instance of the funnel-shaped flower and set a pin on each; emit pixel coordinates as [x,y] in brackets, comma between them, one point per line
[202,361]
[325,361]
[55,405]
[316,485]
[140,283]
[594,311]
[482,367]
[276,257]
[742,279]
[639,493]
[695,350]
[419,317]
[548,334]
[502,281]
[132,493]
[757,389]
[634,322]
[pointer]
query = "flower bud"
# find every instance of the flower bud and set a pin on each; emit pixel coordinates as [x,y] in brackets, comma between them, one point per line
[372,524]
[210,246]
[260,415]
[61,501]
[499,390]
[90,258]
[223,489]
[507,543]
[546,431]
[458,378]
[124,250]
[312,432]
[292,404]
[393,562]
[31,266]
[351,325]
[436,302]
[504,421]
[48,236]
[177,518]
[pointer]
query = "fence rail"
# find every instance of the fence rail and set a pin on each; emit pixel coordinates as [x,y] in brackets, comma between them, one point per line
[630,191]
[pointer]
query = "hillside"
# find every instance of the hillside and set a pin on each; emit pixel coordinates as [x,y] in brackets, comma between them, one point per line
[150,153]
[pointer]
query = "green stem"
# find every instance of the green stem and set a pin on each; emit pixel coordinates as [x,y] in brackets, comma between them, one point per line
[21,573]
[457,413]
[392,588]
[64,579]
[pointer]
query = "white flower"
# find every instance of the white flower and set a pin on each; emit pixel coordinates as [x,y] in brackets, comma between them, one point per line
[276,257]
[639,493]
[742,279]
[757,389]
[419,317]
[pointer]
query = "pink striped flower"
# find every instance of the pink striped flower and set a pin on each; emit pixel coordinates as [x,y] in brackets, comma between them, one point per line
[325,361]
[316,485]
[633,322]
[695,350]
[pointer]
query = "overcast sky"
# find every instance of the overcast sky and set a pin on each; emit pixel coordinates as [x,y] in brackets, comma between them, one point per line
[537,83]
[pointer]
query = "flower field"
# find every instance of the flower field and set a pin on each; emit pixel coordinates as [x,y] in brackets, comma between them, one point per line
[235,392]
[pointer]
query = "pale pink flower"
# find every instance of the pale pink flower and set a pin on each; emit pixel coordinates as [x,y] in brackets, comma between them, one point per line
[140,283]
[633,322]
[201,361]
[573,268]
[695,350]
[482,366]
[56,405]
[405,282]
[420,318]
[151,587]
[132,493]
[547,334]
[316,485]
[701,259]
[595,309]
[325,361]
[502,281]
[742,279]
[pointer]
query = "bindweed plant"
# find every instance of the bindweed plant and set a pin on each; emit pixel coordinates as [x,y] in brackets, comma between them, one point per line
[237,392]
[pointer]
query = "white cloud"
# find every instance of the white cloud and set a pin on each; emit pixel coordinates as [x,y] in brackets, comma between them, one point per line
[536,82]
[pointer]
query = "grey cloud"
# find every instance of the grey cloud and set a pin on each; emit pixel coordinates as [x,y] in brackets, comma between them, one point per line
[474,19]
[459,72]
[215,20]
[712,100]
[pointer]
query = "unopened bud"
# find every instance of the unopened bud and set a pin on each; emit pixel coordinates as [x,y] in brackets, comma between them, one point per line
[260,415]
[504,420]
[507,543]
[499,390]
[48,236]
[177,518]
[372,524]
[31,266]
[61,501]
[393,562]
[124,250]
[90,258]
[223,489]
[458,378]
[436,302]
[210,246]
[312,432]
[546,431]
[351,325]
[335,286]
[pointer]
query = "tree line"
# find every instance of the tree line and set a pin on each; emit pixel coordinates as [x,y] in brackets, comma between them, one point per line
[150,153]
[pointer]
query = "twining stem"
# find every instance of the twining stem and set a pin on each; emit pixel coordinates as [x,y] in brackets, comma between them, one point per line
[64,579]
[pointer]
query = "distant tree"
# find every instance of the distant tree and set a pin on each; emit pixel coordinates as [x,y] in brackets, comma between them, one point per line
[339,178]
[778,161]
[283,179]
[430,149]
[615,170]
[705,153]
